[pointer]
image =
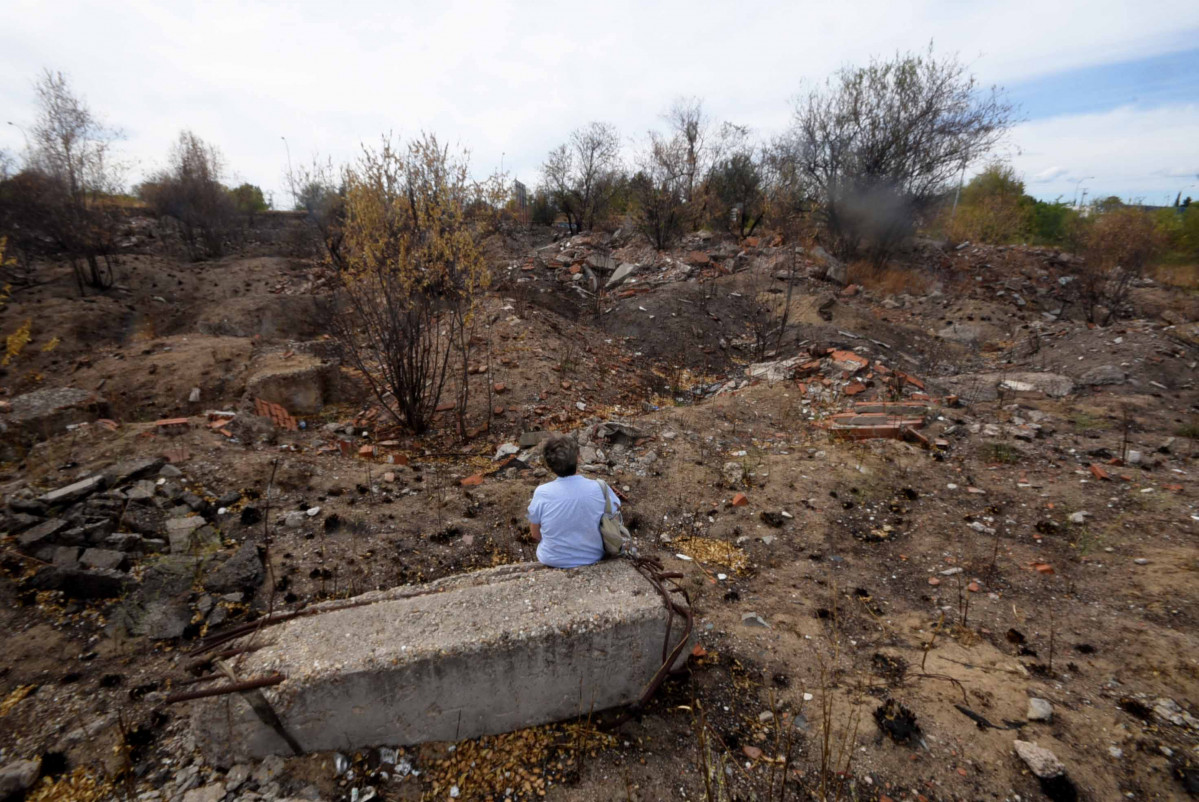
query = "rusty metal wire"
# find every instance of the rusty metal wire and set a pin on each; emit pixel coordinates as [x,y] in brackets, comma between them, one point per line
[232,687]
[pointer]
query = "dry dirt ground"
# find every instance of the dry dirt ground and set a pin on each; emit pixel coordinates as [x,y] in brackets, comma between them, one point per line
[872,623]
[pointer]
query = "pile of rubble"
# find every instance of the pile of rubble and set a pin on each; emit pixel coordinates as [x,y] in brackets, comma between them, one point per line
[135,530]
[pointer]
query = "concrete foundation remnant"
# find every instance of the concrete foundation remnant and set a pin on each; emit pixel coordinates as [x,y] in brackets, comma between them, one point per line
[471,655]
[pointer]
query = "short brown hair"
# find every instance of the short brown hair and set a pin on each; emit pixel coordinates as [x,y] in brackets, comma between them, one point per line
[562,454]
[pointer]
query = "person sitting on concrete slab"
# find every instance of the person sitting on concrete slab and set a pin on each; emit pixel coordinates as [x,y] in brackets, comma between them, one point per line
[564,515]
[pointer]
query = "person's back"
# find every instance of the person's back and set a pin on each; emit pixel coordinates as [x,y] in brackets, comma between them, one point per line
[564,515]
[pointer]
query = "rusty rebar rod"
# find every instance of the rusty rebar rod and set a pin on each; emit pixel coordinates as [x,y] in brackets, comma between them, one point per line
[233,687]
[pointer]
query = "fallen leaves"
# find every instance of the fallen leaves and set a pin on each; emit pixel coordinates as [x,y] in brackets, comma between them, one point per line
[18,693]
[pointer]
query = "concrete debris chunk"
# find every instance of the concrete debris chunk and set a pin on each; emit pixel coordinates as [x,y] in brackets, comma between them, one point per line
[486,652]
[1039,710]
[73,492]
[17,777]
[1040,761]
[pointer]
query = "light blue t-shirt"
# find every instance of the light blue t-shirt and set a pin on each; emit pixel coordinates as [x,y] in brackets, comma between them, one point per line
[569,511]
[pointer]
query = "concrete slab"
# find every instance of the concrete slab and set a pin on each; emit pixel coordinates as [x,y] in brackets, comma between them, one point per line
[482,653]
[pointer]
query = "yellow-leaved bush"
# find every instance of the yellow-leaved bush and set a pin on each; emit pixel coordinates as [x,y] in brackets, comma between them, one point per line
[412,275]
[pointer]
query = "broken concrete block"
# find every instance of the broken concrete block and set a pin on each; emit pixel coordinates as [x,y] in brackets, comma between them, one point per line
[242,571]
[44,413]
[41,535]
[1103,374]
[122,472]
[301,384]
[108,559]
[18,776]
[73,492]
[181,532]
[1039,710]
[623,272]
[1040,761]
[77,584]
[470,655]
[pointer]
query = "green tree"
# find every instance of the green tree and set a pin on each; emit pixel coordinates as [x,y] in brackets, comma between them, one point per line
[993,207]
[248,199]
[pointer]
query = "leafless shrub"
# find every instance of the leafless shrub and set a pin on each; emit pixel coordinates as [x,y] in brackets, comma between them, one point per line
[190,192]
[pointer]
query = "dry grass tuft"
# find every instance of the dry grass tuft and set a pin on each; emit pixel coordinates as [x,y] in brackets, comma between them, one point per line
[889,280]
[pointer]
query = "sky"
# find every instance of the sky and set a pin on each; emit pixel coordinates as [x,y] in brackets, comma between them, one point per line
[1107,92]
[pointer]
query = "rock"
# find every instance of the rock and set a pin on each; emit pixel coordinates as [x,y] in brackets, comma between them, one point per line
[79,584]
[208,793]
[107,559]
[20,521]
[237,777]
[963,333]
[734,475]
[302,384]
[975,387]
[141,491]
[295,519]
[44,413]
[1169,710]
[124,541]
[41,535]
[506,450]
[122,472]
[531,439]
[754,620]
[622,273]
[73,492]
[1040,761]
[181,532]
[1104,374]
[229,499]
[270,768]
[1039,710]
[31,506]
[772,519]
[65,556]
[18,776]
[834,269]
[618,433]
[169,471]
[166,619]
[1079,517]
[241,572]
[196,504]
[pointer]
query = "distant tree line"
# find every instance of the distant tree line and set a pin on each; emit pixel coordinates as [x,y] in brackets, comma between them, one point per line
[67,194]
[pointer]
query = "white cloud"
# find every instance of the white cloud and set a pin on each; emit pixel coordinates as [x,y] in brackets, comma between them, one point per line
[1049,174]
[1147,155]
[508,78]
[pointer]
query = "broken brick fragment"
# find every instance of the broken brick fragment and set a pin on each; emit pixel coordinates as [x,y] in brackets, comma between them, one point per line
[1098,472]
[740,500]
[472,481]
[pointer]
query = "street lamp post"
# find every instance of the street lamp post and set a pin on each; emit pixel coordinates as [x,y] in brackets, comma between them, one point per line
[291,180]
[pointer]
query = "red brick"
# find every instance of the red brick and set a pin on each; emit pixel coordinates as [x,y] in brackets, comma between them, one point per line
[472,481]
[740,500]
